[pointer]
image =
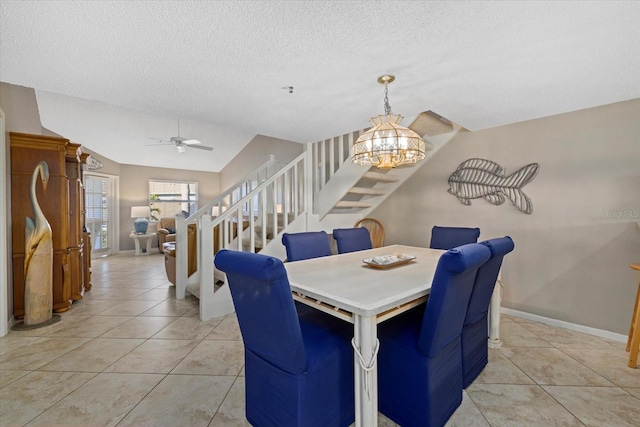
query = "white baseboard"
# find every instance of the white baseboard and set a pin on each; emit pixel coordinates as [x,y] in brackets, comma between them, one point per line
[566,325]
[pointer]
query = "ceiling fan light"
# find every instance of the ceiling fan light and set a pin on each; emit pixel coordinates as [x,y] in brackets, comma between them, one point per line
[181,149]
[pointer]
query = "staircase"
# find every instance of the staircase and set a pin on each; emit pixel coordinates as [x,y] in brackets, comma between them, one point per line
[343,187]
[319,190]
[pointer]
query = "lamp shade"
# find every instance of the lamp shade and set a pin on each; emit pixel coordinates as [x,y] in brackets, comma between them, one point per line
[140,211]
[141,224]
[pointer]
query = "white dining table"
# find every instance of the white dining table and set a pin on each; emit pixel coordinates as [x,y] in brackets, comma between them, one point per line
[345,287]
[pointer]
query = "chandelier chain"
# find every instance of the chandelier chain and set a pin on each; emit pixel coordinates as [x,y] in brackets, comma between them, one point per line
[387,107]
[388,144]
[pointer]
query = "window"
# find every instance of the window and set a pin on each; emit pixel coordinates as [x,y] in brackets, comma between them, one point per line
[169,198]
[100,205]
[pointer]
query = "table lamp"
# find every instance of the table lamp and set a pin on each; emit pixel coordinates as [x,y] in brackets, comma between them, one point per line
[141,223]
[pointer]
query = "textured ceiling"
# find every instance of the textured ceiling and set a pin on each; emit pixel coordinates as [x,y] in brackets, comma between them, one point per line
[110,74]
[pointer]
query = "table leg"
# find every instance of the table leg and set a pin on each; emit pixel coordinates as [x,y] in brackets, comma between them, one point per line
[149,239]
[366,371]
[137,242]
[494,316]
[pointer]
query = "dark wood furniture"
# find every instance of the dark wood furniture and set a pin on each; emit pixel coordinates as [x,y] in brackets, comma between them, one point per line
[86,252]
[62,205]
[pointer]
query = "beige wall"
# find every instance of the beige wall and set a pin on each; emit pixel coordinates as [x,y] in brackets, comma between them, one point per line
[109,167]
[572,255]
[255,154]
[21,109]
[134,191]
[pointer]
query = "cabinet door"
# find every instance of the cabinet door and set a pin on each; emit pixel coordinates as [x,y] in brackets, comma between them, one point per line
[75,237]
[86,257]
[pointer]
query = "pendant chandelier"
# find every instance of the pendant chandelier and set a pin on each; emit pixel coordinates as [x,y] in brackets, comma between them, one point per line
[387,144]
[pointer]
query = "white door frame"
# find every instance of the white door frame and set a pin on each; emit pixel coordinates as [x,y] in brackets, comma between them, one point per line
[114,208]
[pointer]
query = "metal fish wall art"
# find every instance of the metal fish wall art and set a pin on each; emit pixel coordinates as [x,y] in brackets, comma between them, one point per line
[480,178]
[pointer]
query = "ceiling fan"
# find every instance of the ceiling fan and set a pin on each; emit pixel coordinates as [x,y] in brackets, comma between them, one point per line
[182,143]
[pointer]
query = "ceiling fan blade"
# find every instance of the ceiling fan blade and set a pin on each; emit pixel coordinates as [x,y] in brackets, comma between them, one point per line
[201,147]
[181,143]
[158,139]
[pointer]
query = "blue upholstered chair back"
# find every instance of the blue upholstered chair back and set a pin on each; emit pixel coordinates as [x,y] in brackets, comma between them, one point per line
[311,244]
[352,239]
[264,306]
[449,298]
[450,237]
[486,278]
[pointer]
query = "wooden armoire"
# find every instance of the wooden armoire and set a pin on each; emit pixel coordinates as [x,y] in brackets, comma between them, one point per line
[62,205]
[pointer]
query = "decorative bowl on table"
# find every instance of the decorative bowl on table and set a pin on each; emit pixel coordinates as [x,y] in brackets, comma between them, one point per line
[386,261]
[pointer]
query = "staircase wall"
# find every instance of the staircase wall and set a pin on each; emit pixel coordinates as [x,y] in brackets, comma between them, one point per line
[254,154]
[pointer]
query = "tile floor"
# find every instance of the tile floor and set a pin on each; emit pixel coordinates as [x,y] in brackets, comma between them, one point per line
[130,354]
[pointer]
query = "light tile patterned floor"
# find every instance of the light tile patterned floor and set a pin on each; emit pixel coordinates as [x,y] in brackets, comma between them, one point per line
[130,354]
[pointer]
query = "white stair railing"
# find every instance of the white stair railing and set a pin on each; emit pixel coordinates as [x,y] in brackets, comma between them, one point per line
[226,199]
[273,203]
[258,208]
[233,194]
[337,181]
[328,156]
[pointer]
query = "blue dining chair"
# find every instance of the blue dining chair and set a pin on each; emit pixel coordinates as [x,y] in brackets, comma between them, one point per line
[420,356]
[352,239]
[475,331]
[306,245]
[298,369]
[450,237]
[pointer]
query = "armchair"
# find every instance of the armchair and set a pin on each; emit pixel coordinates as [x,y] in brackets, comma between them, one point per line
[169,249]
[166,231]
[298,369]
[192,247]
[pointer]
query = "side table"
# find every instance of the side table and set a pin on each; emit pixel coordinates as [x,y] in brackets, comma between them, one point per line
[145,238]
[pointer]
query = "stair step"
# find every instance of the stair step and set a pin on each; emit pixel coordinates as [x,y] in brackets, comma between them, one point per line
[367,191]
[353,204]
[257,243]
[429,123]
[258,231]
[381,177]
